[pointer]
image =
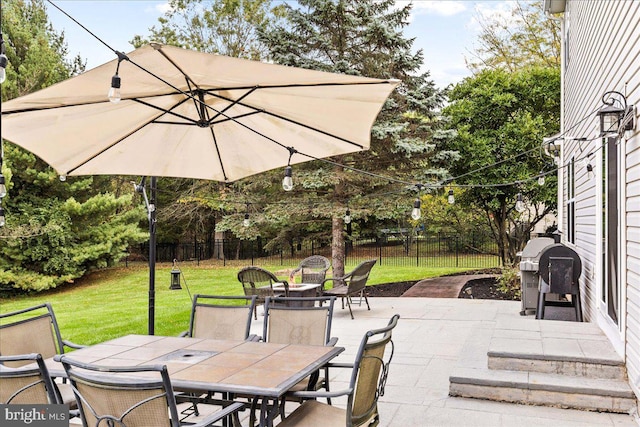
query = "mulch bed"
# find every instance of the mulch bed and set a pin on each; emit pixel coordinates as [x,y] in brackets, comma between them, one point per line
[477,289]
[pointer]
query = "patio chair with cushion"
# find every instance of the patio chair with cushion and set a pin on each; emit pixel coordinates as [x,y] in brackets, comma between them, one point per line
[313,269]
[109,395]
[368,378]
[26,385]
[34,330]
[259,282]
[351,284]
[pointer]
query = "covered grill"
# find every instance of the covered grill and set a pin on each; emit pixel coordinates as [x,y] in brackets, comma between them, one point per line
[549,267]
[529,261]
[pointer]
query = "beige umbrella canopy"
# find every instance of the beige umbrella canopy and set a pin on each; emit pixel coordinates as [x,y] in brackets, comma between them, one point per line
[194,115]
[188,114]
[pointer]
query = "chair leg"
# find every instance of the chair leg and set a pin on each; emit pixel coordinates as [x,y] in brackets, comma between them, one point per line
[349,305]
[365,299]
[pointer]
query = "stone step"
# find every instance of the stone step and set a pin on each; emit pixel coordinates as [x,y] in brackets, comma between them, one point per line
[543,389]
[572,365]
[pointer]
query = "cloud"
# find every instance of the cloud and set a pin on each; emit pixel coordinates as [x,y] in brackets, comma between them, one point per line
[438,7]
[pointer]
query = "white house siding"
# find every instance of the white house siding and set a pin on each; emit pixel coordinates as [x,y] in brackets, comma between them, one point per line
[603,43]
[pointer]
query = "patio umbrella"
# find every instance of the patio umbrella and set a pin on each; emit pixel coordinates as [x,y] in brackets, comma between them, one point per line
[196,115]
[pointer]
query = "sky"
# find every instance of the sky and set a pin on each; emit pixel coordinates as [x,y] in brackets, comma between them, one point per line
[446,30]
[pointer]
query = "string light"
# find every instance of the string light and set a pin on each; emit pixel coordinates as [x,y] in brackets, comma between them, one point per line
[287,181]
[541,179]
[451,198]
[114,94]
[347,217]
[246,221]
[3,188]
[519,203]
[416,212]
[2,219]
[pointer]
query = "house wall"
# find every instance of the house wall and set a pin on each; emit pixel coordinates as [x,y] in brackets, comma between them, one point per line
[602,54]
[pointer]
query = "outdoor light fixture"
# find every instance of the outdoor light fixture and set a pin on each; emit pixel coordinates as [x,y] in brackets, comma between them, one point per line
[175,277]
[451,198]
[347,217]
[3,188]
[2,221]
[519,203]
[615,114]
[415,212]
[246,222]
[287,181]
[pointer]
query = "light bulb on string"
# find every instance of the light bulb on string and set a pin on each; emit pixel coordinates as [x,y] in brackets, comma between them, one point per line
[287,181]
[2,219]
[3,187]
[114,92]
[590,173]
[519,203]
[541,179]
[451,198]
[246,222]
[416,213]
[347,217]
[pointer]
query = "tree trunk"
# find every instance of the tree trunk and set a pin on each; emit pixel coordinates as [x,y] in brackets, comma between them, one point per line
[337,246]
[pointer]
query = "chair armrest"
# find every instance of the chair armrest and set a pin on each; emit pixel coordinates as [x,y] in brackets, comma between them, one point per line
[216,416]
[332,342]
[70,344]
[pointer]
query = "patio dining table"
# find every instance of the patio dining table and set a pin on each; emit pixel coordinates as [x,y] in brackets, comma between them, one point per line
[259,369]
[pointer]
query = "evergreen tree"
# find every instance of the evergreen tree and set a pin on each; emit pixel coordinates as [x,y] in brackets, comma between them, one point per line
[55,231]
[361,37]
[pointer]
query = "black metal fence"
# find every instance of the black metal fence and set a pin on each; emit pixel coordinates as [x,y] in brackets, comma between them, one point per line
[438,250]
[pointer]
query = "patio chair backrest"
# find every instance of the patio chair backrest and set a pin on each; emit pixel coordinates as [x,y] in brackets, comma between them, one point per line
[26,385]
[357,279]
[212,319]
[257,281]
[370,372]
[286,323]
[106,396]
[313,269]
[31,330]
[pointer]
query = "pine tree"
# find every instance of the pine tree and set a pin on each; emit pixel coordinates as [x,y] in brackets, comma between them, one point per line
[361,37]
[55,231]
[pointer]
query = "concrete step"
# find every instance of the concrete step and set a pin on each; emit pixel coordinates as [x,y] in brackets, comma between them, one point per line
[535,388]
[573,365]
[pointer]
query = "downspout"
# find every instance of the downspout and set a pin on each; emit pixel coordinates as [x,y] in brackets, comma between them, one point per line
[560,174]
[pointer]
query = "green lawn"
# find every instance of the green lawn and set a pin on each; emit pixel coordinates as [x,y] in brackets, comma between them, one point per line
[114,302]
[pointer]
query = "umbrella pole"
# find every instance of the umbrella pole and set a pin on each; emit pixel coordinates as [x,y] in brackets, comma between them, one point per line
[152,255]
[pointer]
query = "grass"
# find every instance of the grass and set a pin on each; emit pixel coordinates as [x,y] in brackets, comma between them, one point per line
[114,302]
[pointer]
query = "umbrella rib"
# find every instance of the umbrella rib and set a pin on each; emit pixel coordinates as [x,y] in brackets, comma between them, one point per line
[165,111]
[215,143]
[294,85]
[105,149]
[227,118]
[278,116]
[221,112]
